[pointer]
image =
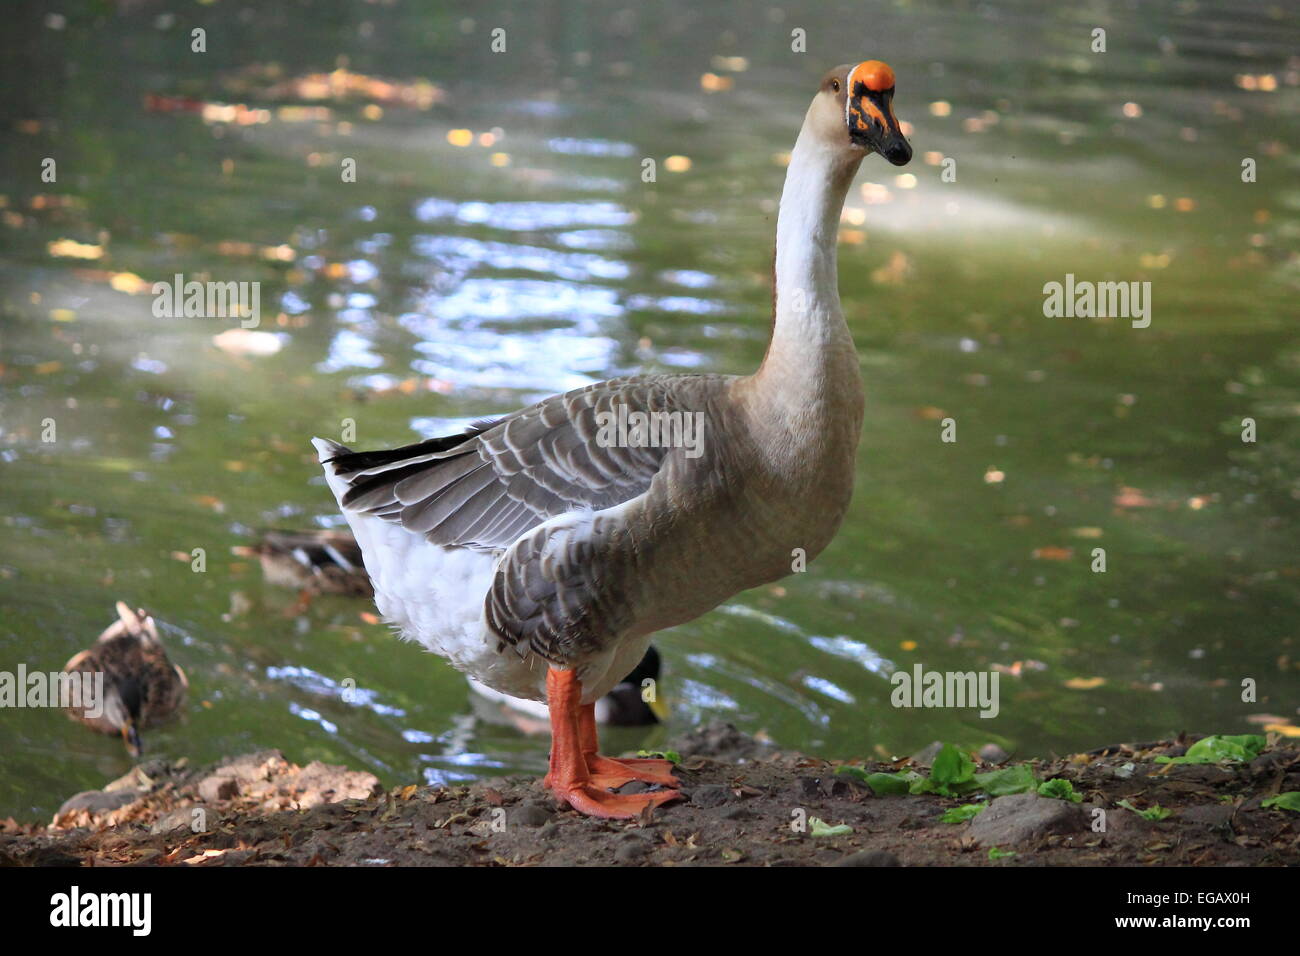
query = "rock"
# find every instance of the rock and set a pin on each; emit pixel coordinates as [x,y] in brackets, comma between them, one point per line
[992,753]
[1270,762]
[869,858]
[838,786]
[98,801]
[217,788]
[246,768]
[1207,774]
[632,851]
[721,741]
[180,818]
[1215,815]
[709,796]
[548,830]
[1023,817]
[530,815]
[1126,824]
[319,783]
[140,777]
[810,788]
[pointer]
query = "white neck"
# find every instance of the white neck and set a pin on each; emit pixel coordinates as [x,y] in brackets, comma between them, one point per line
[809,338]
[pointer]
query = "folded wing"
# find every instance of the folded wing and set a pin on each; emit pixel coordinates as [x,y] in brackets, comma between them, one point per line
[485,488]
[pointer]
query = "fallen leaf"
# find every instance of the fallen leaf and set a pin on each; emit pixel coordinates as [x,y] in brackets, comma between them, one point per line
[1286,730]
[1053,553]
[1132,498]
[1084,683]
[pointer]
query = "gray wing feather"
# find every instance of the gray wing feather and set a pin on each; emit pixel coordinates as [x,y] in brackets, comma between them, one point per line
[486,490]
[563,592]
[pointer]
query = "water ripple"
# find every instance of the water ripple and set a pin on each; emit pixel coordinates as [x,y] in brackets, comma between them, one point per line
[524,216]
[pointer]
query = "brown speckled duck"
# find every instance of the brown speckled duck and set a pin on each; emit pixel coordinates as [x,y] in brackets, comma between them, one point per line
[141,689]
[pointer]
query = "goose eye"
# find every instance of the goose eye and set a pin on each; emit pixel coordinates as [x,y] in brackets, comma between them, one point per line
[835,85]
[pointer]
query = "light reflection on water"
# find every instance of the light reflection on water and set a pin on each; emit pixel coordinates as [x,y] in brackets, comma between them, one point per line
[524,216]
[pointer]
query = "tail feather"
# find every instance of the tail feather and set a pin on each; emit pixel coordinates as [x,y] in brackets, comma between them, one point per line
[328,452]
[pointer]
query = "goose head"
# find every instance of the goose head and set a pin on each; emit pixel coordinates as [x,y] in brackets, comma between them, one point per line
[854,112]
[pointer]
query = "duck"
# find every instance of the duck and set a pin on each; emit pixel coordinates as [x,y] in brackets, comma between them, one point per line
[626,705]
[142,687]
[539,551]
[323,561]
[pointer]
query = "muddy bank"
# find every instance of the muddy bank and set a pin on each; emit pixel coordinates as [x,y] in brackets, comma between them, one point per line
[746,804]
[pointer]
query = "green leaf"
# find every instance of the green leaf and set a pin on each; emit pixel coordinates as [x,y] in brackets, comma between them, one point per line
[820,828]
[670,755]
[966,811]
[1154,813]
[996,854]
[953,776]
[1290,800]
[999,783]
[953,772]
[1059,789]
[1219,748]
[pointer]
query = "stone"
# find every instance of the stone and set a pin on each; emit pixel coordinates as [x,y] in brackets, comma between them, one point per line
[992,753]
[319,783]
[98,801]
[1023,817]
[180,818]
[217,788]
[1214,815]
[709,796]
[529,815]
[722,741]
[631,851]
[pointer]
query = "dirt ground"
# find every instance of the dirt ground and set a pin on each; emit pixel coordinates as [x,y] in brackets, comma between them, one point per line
[746,804]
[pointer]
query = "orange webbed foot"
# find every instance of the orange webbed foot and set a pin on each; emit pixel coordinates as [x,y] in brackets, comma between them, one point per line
[594,801]
[611,773]
[579,775]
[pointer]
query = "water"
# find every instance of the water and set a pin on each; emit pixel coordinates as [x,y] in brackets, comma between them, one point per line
[452,282]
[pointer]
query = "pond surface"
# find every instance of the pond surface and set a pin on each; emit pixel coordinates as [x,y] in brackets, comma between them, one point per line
[500,244]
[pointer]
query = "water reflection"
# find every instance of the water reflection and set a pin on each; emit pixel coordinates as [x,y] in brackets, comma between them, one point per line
[459,256]
[524,216]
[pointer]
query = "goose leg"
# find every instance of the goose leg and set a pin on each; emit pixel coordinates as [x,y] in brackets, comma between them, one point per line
[569,779]
[610,773]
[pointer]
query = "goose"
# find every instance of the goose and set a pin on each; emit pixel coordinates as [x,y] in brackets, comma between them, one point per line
[142,687]
[540,551]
